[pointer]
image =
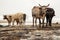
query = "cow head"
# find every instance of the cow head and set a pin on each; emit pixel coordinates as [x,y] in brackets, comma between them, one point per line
[43,8]
[5,17]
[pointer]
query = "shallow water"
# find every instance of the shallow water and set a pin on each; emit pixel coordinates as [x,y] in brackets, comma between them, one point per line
[15,23]
[35,35]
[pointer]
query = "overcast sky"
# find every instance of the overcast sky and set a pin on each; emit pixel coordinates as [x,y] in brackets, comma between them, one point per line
[25,6]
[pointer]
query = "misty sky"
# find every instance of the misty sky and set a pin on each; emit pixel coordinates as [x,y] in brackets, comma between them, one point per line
[25,6]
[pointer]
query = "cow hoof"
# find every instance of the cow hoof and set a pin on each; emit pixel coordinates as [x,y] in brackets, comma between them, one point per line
[33,25]
[46,25]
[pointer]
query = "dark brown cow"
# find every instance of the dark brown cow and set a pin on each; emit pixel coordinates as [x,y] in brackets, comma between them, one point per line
[50,13]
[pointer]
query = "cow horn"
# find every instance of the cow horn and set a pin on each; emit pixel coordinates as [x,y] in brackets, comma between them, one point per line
[48,5]
[39,5]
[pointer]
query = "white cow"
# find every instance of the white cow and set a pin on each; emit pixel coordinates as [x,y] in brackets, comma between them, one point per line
[18,17]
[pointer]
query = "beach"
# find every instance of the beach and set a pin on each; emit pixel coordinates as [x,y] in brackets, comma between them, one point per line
[28,32]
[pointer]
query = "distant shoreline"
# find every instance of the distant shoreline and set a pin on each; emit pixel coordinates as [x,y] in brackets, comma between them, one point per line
[4,21]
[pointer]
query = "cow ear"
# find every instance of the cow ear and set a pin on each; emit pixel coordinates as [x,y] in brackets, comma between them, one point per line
[10,16]
[48,5]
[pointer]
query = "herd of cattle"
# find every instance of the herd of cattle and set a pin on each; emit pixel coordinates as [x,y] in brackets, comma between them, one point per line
[38,12]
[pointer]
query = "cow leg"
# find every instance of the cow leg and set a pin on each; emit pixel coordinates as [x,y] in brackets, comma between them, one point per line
[33,21]
[39,22]
[36,22]
[50,22]
[47,21]
[43,23]
[9,23]
[13,23]
[17,22]
[21,22]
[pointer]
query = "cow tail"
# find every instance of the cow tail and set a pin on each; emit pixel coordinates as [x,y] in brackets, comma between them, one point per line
[24,17]
[53,13]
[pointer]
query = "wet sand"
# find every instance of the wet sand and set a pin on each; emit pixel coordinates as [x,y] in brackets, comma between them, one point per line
[28,32]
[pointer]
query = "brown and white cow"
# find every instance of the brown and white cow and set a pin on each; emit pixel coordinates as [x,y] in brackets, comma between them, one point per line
[18,17]
[39,12]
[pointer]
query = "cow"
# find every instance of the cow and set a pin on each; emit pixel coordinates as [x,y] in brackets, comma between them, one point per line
[18,17]
[39,12]
[50,13]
